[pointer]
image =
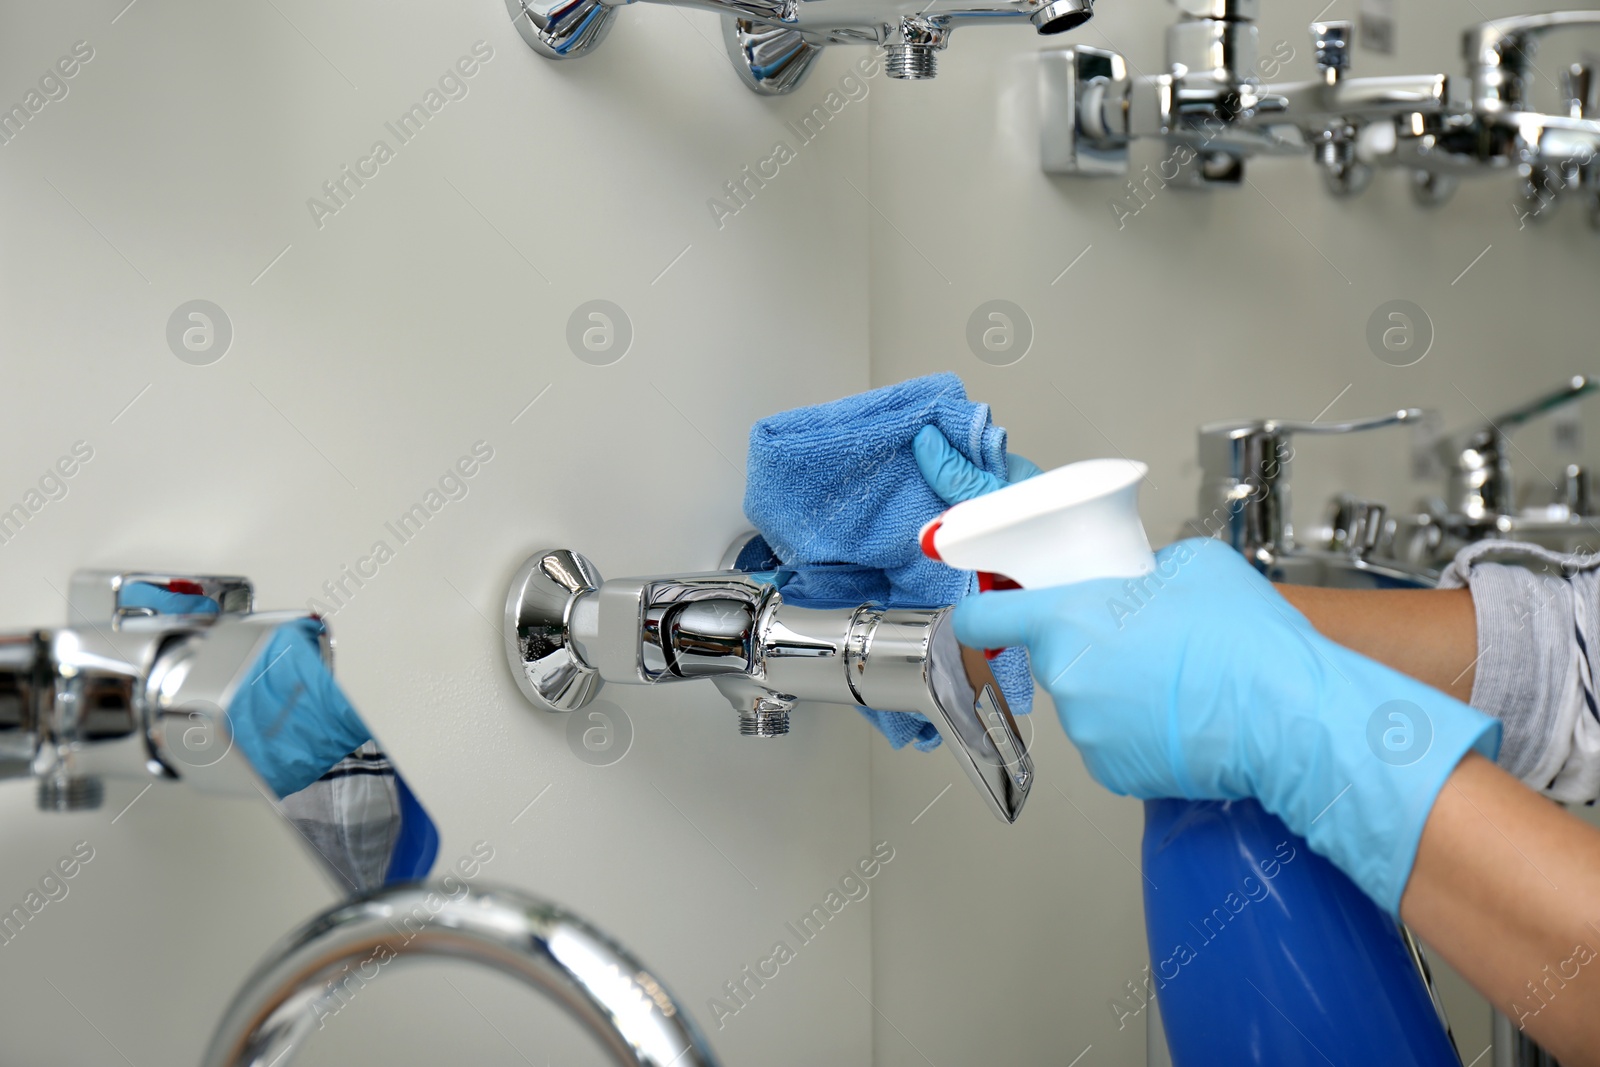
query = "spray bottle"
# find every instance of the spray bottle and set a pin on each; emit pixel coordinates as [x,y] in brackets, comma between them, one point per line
[1262,953]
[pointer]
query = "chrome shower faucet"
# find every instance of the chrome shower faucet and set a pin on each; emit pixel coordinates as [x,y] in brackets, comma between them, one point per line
[567,631]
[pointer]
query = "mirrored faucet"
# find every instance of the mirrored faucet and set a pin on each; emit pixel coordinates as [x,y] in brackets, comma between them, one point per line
[567,631]
[773,43]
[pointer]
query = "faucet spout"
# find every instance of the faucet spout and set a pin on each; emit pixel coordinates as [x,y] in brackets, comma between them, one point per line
[586,973]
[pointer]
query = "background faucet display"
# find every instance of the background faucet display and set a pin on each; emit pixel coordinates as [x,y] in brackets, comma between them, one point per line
[773,43]
[1211,104]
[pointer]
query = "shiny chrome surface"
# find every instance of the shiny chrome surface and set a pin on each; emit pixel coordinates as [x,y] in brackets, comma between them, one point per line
[1212,102]
[1244,478]
[1479,459]
[96,596]
[1500,55]
[562,29]
[1480,497]
[546,666]
[770,60]
[127,695]
[587,974]
[773,43]
[767,656]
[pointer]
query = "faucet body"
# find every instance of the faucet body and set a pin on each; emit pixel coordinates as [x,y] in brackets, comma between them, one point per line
[567,631]
[1213,106]
[1212,101]
[124,693]
[592,978]
[1244,500]
[774,42]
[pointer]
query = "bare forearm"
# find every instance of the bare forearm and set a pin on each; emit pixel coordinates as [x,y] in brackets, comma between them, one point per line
[1506,887]
[1430,634]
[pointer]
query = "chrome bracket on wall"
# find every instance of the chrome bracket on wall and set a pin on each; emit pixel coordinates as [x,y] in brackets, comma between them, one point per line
[773,43]
[1215,111]
[567,631]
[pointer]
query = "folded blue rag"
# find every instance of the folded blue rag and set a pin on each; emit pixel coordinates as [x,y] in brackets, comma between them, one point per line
[837,495]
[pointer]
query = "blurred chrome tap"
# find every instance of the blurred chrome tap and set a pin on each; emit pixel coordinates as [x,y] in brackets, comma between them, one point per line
[567,631]
[773,43]
[1498,129]
[1212,105]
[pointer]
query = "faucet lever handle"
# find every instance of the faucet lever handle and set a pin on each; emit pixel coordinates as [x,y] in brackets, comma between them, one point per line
[1579,385]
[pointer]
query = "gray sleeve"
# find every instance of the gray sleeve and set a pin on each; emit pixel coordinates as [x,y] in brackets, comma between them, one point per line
[1527,653]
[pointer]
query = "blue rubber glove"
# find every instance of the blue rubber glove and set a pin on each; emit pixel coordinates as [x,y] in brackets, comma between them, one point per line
[953,476]
[289,716]
[1200,681]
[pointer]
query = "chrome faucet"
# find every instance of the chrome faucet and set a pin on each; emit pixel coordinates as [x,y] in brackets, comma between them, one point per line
[1214,108]
[1244,479]
[123,692]
[1480,498]
[1499,130]
[1212,105]
[592,978]
[567,631]
[1244,499]
[773,43]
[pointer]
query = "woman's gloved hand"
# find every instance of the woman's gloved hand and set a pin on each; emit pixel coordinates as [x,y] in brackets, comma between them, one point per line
[1200,681]
[953,476]
[289,716]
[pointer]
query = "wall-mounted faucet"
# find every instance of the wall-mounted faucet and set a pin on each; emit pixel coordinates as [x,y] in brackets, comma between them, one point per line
[773,43]
[122,691]
[1498,129]
[1213,108]
[1212,105]
[1480,499]
[126,691]
[1245,469]
[1244,500]
[567,631]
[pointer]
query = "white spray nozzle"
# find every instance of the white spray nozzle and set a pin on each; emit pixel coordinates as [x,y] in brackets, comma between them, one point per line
[1068,525]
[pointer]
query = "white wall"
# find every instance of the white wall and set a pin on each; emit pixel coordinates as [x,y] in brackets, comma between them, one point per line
[426,315]
[1008,945]
[365,361]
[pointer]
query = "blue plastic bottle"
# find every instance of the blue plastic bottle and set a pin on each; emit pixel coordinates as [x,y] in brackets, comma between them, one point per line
[1264,953]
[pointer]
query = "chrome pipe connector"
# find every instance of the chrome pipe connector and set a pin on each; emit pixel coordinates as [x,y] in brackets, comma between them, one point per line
[567,632]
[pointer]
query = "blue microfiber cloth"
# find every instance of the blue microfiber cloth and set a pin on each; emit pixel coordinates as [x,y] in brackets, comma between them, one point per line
[836,493]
